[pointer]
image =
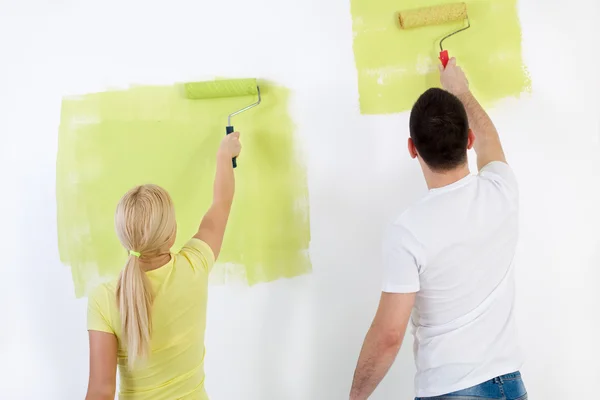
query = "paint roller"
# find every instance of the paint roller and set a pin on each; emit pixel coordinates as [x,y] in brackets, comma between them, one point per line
[436,15]
[224,88]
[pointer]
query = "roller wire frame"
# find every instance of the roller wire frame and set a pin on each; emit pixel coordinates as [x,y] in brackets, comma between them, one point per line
[444,58]
[229,128]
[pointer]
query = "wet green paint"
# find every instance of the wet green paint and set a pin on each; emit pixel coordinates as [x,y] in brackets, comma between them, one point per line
[395,66]
[112,141]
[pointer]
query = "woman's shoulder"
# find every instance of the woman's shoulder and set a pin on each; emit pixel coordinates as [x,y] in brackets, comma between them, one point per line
[102,310]
[198,253]
[104,291]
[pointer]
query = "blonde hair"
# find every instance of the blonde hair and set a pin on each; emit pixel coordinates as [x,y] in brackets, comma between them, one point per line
[145,224]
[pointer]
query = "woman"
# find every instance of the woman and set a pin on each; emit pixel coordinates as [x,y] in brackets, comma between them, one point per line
[151,320]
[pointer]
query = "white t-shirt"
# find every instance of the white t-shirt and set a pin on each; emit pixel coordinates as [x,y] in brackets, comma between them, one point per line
[455,248]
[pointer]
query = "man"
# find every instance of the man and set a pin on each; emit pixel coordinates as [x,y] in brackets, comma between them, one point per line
[449,260]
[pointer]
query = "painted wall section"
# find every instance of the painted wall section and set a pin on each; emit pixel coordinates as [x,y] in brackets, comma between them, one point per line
[111,141]
[395,66]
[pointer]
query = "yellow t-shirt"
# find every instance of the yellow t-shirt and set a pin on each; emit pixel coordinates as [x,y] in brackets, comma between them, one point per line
[175,367]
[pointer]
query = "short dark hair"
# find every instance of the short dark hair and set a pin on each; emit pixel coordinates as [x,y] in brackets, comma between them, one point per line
[439,129]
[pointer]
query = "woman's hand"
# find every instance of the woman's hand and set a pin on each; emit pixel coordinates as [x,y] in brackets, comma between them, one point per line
[230,145]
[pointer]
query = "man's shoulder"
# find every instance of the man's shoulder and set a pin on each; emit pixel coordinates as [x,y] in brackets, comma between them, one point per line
[500,172]
[416,212]
[422,217]
[407,221]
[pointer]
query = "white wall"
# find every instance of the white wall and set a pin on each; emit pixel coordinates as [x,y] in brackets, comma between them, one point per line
[299,338]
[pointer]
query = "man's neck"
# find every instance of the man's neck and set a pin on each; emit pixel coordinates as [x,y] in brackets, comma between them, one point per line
[440,179]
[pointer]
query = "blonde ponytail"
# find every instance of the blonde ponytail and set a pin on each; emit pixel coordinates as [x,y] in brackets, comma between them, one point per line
[134,294]
[145,225]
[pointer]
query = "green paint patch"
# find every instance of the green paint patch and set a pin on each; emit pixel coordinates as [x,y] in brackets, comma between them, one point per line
[112,141]
[395,66]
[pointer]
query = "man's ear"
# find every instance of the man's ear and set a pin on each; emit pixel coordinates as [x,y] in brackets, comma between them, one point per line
[412,150]
[471,139]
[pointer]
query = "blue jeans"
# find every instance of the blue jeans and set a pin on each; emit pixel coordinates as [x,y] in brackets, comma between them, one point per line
[505,387]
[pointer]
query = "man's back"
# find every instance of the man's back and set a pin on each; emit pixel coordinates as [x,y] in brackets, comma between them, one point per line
[455,248]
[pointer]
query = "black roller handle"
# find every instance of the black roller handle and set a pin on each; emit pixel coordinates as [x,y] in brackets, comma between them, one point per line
[233,160]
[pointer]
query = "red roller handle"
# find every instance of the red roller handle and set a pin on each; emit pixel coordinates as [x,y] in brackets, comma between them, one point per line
[444,58]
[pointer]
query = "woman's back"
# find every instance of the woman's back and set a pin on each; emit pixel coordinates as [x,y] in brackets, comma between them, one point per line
[174,368]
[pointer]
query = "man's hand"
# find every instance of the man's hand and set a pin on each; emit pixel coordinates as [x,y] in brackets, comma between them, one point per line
[453,78]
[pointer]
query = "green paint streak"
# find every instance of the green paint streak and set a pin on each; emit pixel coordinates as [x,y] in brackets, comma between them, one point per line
[111,141]
[395,66]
